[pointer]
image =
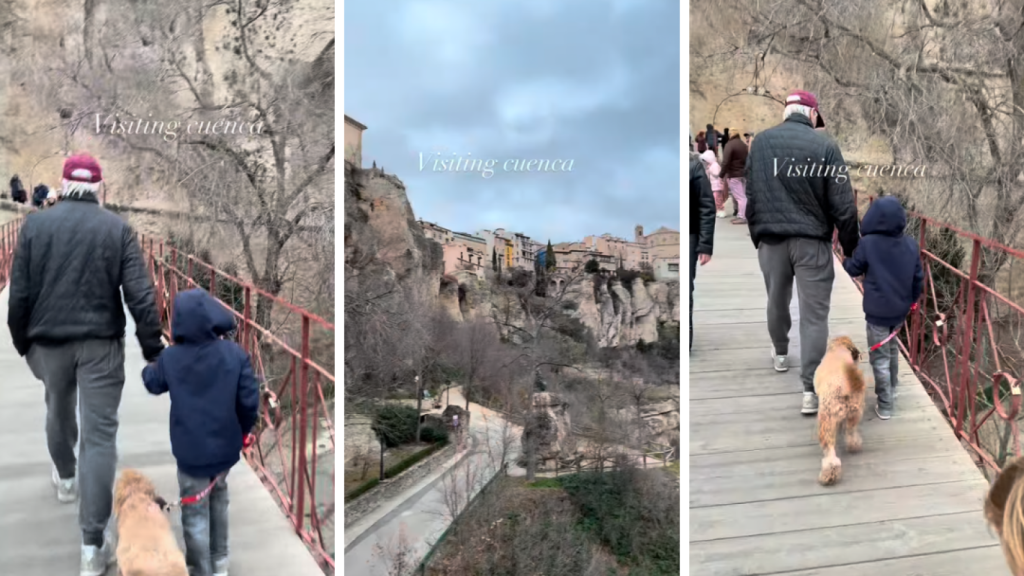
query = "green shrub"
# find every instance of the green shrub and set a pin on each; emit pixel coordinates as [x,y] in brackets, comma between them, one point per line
[395,424]
[433,434]
[396,469]
[641,529]
[361,489]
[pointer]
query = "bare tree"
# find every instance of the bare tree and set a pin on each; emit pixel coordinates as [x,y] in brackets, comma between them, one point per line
[253,143]
[941,84]
[397,553]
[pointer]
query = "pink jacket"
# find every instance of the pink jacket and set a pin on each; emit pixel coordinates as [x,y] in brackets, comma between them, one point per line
[713,170]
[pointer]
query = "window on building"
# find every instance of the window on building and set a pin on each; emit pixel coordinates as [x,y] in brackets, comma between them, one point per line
[673,267]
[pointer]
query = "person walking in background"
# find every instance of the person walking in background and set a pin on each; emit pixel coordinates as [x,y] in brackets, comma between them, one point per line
[702,143]
[890,262]
[66,316]
[702,224]
[18,190]
[39,194]
[215,401]
[712,139]
[792,215]
[713,171]
[734,163]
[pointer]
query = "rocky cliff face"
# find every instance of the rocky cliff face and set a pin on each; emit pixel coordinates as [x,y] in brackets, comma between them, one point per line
[385,250]
[622,315]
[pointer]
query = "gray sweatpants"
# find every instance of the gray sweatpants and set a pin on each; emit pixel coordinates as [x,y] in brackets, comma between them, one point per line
[884,363]
[809,261]
[96,369]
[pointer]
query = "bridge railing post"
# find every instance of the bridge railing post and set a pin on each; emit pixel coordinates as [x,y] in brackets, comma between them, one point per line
[303,423]
[246,316]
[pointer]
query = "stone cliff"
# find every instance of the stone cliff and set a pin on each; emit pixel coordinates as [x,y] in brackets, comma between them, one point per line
[386,253]
[623,313]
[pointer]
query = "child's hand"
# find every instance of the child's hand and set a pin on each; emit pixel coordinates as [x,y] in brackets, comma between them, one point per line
[248,441]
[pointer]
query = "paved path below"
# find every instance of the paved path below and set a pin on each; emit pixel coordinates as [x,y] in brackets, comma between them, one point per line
[910,503]
[40,537]
[419,515]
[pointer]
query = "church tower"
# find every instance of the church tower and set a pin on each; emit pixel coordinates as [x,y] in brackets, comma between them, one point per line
[639,234]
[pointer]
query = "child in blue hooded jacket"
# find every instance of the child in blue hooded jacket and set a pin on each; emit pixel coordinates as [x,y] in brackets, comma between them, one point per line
[214,406]
[890,262]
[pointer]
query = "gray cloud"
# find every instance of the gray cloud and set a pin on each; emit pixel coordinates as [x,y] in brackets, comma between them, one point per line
[594,81]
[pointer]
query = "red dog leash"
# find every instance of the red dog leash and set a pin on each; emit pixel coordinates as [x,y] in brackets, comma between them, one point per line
[893,334]
[197,497]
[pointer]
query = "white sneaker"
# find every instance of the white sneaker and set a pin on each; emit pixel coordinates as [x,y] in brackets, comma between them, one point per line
[721,214]
[220,567]
[95,561]
[67,490]
[781,362]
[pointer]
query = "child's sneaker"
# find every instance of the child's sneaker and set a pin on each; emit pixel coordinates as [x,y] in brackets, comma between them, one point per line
[882,412]
[95,561]
[67,489]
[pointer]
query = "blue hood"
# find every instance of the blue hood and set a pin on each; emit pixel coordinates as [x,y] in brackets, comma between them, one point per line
[886,217]
[199,317]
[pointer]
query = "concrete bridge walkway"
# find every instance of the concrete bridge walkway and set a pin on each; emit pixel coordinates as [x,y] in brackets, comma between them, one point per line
[910,503]
[40,537]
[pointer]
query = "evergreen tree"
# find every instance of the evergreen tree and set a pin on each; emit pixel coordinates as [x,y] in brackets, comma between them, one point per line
[494,260]
[549,257]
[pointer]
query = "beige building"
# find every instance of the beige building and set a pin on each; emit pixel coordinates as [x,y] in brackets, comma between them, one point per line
[436,233]
[666,269]
[643,251]
[515,250]
[466,252]
[354,141]
[461,251]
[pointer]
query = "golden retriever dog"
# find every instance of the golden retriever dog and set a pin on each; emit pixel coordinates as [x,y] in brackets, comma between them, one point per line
[840,387]
[146,544]
[1004,510]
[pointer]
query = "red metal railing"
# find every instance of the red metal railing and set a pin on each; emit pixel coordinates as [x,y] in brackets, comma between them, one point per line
[294,454]
[296,408]
[966,340]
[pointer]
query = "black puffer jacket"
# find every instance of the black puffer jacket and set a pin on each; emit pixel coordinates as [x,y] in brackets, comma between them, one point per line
[798,186]
[70,265]
[702,206]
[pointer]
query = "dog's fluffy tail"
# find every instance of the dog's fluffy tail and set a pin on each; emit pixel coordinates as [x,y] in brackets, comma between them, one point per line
[854,378]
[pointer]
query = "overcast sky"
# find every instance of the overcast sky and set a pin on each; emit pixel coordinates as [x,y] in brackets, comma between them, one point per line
[592,81]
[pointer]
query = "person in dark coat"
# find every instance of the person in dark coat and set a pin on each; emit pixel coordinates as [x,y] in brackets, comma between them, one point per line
[72,264]
[214,404]
[702,223]
[890,262]
[18,190]
[39,195]
[711,136]
[798,194]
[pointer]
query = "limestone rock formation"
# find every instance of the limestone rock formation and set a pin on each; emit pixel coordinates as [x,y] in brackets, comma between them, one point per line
[549,426]
[385,249]
[622,315]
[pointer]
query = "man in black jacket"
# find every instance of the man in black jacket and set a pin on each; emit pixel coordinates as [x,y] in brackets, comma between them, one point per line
[66,315]
[798,192]
[702,223]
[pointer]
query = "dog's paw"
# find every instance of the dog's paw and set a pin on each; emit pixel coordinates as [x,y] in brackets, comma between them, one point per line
[831,470]
[854,443]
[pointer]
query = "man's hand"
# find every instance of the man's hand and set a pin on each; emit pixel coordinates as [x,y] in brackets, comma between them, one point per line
[703,258]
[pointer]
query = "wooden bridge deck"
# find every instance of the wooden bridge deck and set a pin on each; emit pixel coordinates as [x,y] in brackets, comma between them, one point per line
[40,537]
[910,503]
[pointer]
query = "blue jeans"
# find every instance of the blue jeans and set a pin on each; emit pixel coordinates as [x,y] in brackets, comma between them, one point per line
[205,524]
[884,363]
